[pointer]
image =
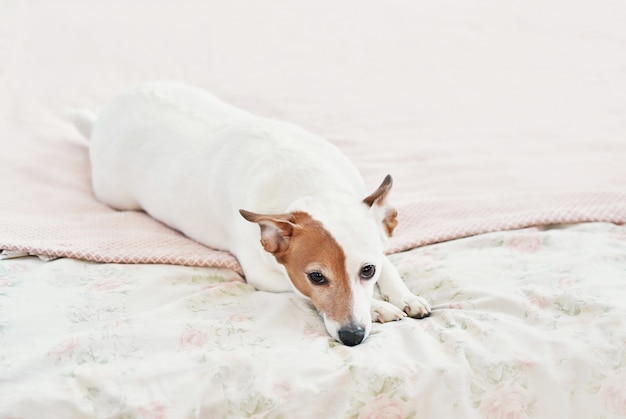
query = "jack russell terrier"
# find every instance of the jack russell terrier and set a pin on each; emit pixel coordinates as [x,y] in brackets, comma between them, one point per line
[218,173]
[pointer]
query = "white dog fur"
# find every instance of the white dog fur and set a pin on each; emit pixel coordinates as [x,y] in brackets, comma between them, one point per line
[193,162]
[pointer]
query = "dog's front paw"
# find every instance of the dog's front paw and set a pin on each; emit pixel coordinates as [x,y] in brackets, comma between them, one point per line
[383,312]
[417,307]
[414,306]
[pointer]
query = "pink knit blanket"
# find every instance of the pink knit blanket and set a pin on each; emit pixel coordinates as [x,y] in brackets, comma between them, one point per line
[479,132]
[47,206]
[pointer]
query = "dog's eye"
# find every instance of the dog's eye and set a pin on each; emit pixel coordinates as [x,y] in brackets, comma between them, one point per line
[368,271]
[317,278]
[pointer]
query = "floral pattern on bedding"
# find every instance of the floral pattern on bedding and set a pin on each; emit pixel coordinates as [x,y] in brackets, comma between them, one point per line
[527,324]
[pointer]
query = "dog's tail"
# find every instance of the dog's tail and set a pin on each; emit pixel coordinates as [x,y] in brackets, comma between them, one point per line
[82,119]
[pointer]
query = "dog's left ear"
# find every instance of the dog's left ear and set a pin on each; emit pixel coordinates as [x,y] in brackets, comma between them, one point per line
[377,200]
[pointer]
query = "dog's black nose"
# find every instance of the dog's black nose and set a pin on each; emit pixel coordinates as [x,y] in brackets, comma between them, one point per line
[351,335]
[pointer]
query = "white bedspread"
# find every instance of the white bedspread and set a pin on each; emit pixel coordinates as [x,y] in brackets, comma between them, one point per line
[528,323]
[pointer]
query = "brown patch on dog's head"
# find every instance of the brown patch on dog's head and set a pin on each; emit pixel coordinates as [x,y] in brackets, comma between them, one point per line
[315,262]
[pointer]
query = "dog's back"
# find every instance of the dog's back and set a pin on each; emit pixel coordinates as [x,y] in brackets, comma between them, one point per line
[191,160]
[144,131]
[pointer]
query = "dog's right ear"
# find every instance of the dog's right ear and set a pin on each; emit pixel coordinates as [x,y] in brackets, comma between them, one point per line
[383,212]
[276,230]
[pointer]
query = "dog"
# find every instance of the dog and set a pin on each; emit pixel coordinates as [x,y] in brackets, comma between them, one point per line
[225,177]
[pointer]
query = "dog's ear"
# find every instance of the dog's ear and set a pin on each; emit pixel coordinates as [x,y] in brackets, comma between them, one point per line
[377,200]
[276,230]
[380,194]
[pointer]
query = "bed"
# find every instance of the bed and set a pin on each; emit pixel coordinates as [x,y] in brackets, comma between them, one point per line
[503,124]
